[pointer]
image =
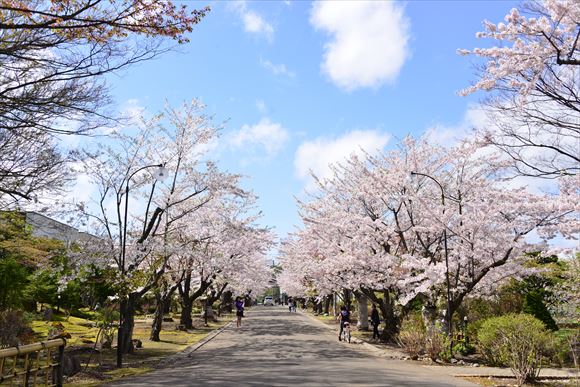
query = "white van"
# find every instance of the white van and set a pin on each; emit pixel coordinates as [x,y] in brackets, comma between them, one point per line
[269,300]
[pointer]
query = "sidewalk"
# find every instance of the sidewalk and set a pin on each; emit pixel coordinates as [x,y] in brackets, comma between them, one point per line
[451,369]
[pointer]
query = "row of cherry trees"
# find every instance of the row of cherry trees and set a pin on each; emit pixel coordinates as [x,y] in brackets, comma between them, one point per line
[194,231]
[421,222]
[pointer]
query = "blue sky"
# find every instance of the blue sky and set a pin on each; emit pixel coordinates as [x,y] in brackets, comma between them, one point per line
[302,84]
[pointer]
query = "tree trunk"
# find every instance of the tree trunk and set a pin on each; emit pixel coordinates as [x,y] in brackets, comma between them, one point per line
[346,298]
[227,301]
[387,310]
[186,310]
[429,315]
[363,312]
[163,299]
[187,300]
[327,300]
[391,321]
[167,305]
[129,322]
[158,318]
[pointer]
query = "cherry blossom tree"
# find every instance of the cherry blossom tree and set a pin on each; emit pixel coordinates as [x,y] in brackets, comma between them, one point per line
[419,222]
[227,251]
[55,53]
[137,244]
[534,78]
[54,57]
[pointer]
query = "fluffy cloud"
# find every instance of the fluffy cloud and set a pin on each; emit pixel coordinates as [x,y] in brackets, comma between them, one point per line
[265,134]
[253,22]
[369,41]
[318,154]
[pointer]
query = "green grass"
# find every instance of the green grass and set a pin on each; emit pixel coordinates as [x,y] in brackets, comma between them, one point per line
[141,361]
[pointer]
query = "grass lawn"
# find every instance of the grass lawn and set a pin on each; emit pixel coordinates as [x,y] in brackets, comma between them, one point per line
[101,368]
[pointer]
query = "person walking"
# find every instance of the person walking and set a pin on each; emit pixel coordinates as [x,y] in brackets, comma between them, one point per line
[375,321]
[239,311]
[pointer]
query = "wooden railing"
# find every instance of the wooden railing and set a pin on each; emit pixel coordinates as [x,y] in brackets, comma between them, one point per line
[38,364]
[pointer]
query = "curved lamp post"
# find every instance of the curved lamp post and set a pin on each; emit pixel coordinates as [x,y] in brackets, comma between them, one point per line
[448,311]
[159,174]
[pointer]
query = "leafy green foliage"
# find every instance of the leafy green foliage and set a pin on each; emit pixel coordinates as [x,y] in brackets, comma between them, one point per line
[519,341]
[534,305]
[13,279]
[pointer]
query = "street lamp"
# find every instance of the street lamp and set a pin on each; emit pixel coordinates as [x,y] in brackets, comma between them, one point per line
[448,311]
[159,174]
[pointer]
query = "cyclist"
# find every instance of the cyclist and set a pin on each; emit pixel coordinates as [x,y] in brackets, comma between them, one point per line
[343,317]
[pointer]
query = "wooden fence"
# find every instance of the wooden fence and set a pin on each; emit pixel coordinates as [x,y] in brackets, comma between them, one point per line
[38,364]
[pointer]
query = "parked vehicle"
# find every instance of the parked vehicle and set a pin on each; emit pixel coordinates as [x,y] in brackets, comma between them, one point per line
[269,301]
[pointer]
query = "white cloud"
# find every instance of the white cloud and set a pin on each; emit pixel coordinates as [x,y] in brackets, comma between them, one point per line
[253,22]
[277,69]
[265,134]
[369,41]
[449,135]
[317,155]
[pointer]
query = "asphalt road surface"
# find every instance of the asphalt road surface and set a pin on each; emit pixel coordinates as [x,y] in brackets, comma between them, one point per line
[276,348]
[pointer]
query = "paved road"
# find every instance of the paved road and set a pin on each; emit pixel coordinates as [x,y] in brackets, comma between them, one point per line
[275,348]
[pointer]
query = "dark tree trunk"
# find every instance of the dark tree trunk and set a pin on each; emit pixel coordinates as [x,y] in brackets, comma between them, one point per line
[128,319]
[186,310]
[213,297]
[163,299]
[158,318]
[327,300]
[346,298]
[187,299]
[227,301]
[391,320]
[167,305]
[386,307]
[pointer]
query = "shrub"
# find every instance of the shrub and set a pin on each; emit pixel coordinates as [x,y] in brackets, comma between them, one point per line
[518,341]
[437,345]
[412,337]
[14,329]
[464,348]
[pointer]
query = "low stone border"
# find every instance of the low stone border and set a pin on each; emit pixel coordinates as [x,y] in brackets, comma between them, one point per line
[188,352]
[547,377]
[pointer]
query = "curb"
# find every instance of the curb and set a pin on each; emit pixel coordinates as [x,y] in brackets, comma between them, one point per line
[188,352]
[547,377]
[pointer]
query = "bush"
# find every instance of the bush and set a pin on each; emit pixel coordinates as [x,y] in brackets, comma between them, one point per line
[464,348]
[14,329]
[437,345]
[518,341]
[412,337]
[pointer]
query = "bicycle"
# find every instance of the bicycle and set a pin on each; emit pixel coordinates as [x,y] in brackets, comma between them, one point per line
[346,331]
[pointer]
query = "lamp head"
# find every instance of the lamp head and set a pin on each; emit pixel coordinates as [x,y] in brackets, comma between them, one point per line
[161,172]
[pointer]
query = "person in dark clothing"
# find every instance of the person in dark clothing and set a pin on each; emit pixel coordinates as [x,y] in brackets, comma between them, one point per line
[343,316]
[375,321]
[239,311]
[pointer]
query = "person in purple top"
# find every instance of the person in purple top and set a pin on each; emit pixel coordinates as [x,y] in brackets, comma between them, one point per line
[239,310]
